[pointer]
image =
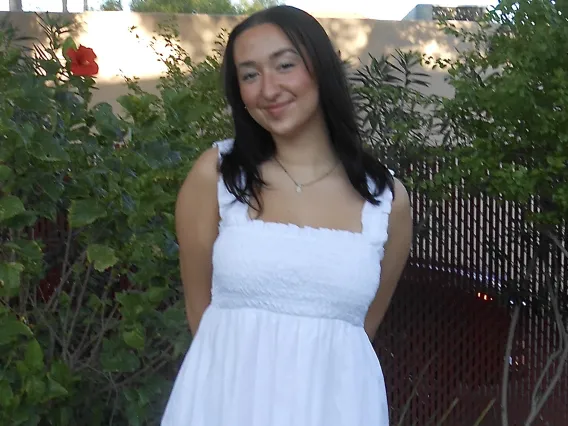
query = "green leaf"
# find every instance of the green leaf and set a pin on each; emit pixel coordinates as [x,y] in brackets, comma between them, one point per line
[156,294]
[131,395]
[6,394]
[11,328]
[173,317]
[139,105]
[34,356]
[60,373]
[132,304]
[63,416]
[64,299]
[53,189]
[106,122]
[94,302]
[27,248]
[27,218]
[119,361]
[181,345]
[50,151]
[85,212]
[67,44]
[102,256]
[55,389]
[23,417]
[134,338]
[10,274]
[35,388]
[5,173]
[10,206]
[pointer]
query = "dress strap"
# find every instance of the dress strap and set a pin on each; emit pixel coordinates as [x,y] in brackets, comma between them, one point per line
[375,218]
[231,211]
[223,146]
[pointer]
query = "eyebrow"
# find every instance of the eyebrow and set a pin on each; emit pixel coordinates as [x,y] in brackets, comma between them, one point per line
[272,56]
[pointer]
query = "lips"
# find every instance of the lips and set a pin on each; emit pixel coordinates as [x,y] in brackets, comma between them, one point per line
[276,109]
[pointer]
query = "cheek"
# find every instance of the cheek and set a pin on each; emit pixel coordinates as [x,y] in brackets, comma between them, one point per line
[248,95]
[304,85]
[309,95]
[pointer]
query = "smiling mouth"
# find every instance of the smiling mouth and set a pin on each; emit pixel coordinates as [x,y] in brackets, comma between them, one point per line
[277,108]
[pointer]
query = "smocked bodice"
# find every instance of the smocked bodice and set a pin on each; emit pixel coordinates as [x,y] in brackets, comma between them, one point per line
[303,271]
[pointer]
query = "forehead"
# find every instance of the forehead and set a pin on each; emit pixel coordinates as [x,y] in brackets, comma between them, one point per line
[259,43]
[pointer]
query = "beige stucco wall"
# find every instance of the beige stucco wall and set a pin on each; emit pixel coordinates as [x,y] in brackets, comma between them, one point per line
[120,53]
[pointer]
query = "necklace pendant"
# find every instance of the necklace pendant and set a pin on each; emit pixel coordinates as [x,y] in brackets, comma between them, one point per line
[298,188]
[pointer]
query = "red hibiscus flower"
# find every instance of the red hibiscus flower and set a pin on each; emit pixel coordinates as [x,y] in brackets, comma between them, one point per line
[83,61]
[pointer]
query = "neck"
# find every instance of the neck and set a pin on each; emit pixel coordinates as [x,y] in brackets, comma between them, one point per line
[310,148]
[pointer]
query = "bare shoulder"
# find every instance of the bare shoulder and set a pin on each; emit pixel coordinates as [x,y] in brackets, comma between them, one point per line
[197,197]
[204,170]
[202,178]
[401,202]
[400,219]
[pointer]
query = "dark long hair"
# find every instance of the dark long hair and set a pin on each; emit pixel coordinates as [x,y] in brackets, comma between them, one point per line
[253,145]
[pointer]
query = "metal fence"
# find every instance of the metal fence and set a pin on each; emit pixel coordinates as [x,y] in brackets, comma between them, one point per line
[442,344]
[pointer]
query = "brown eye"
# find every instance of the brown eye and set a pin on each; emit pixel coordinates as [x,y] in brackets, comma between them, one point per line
[286,66]
[249,76]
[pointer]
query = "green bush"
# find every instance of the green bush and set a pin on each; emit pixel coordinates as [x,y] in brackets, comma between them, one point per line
[400,122]
[509,110]
[92,325]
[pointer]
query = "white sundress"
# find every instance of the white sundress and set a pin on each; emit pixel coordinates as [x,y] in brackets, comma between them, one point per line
[282,342]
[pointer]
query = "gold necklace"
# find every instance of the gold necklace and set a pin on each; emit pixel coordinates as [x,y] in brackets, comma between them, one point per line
[300,186]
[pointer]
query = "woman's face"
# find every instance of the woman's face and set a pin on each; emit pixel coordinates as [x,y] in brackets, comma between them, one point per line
[275,84]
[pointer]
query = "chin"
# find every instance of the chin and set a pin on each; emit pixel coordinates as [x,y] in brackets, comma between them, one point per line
[286,129]
[282,132]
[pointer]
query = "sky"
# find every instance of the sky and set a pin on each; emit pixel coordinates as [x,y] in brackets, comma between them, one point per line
[372,9]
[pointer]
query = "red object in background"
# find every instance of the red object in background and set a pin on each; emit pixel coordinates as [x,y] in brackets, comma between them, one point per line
[83,61]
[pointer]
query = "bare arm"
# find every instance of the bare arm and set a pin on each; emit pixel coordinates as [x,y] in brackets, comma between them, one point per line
[397,249]
[197,220]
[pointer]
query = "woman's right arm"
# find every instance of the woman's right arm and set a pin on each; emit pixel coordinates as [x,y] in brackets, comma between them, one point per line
[197,221]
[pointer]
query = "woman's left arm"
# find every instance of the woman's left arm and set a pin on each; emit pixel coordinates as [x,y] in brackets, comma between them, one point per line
[397,249]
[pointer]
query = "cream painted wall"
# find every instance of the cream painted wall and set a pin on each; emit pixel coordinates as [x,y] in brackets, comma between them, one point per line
[120,53]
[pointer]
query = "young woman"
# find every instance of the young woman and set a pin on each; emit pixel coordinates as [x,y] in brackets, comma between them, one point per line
[292,240]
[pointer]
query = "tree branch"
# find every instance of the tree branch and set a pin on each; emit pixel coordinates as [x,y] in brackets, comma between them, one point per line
[561,353]
[80,300]
[556,242]
[448,411]
[414,391]
[64,274]
[509,347]
[98,338]
[81,345]
[506,358]
[420,225]
[68,331]
[484,412]
[149,369]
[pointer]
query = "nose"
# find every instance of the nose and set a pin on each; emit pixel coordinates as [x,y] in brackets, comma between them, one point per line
[270,87]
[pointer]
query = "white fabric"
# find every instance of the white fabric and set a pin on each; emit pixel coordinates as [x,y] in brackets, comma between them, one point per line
[282,342]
